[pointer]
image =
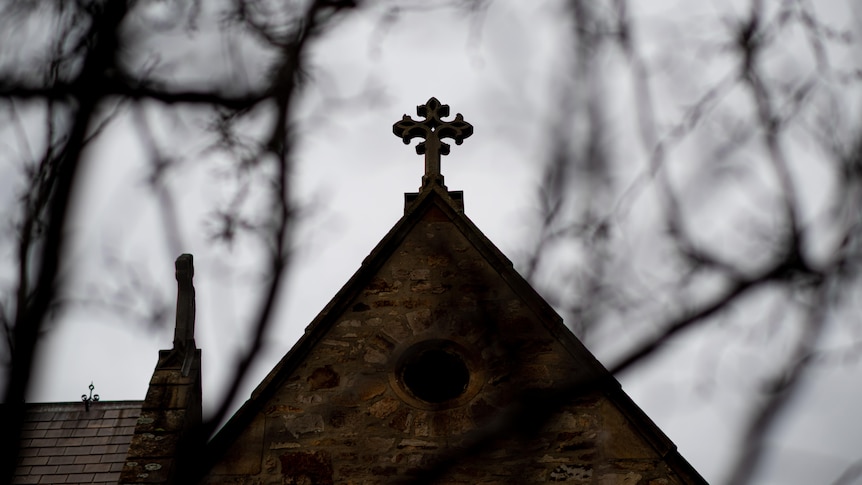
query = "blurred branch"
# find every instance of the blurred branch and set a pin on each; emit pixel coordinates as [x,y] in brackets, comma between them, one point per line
[752,36]
[781,389]
[35,298]
[278,148]
[772,109]
[532,408]
[850,474]
[160,164]
[129,90]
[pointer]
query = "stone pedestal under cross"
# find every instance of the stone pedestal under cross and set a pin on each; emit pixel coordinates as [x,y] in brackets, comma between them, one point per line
[433,130]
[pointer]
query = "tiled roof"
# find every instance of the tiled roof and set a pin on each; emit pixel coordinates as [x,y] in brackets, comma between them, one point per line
[64,443]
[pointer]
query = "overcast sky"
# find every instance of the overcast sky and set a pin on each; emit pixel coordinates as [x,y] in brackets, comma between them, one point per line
[498,70]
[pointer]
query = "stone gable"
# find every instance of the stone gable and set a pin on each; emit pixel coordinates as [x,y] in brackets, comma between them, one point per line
[437,343]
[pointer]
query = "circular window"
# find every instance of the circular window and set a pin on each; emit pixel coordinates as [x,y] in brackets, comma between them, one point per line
[435,375]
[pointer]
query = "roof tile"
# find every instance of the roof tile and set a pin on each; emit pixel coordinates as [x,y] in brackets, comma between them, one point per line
[81,478]
[130,413]
[33,433]
[58,433]
[43,442]
[25,479]
[98,467]
[107,477]
[114,458]
[133,421]
[70,442]
[100,449]
[59,460]
[34,460]
[70,468]
[84,432]
[43,470]
[68,424]
[106,423]
[83,459]
[77,450]
[53,479]
[40,417]
[24,451]
[51,425]
[51,451]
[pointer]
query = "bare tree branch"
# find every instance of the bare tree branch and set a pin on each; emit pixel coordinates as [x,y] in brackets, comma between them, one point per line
[34,299]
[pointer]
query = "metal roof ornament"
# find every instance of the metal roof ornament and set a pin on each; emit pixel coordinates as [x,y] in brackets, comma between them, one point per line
[433,130]
[87,400]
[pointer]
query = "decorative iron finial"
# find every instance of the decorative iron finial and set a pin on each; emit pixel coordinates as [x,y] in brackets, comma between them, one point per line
[87,400]
[433,130]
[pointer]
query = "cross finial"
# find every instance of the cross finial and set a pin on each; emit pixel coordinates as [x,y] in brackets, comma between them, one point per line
[433,130]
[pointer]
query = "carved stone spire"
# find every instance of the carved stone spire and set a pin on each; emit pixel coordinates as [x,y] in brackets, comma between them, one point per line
[433,130]
[167,436]
[184,332]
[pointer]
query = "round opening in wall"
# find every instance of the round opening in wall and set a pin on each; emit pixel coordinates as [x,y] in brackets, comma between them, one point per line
[435,374]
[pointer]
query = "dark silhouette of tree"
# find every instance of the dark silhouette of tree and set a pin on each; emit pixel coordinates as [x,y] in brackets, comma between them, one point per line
[85,70]
[727,129]
[681,200]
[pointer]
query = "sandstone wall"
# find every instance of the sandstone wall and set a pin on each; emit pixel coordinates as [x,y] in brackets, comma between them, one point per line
[346,416]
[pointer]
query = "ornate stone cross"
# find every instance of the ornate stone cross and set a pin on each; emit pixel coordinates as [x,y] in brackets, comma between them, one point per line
[433,130]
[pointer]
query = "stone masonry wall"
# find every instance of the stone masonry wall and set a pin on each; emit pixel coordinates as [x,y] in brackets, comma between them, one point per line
[346,415]
[172,406]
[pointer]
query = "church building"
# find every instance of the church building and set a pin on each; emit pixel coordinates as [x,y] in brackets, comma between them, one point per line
[435,363]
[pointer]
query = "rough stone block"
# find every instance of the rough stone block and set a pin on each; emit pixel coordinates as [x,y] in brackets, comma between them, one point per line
[384,407]
[630,478]
[419,320]
[161,421]
[370,388]
[306,468]
[153,445]
[298,425]
[323,378]
[167,397]
[146,471]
